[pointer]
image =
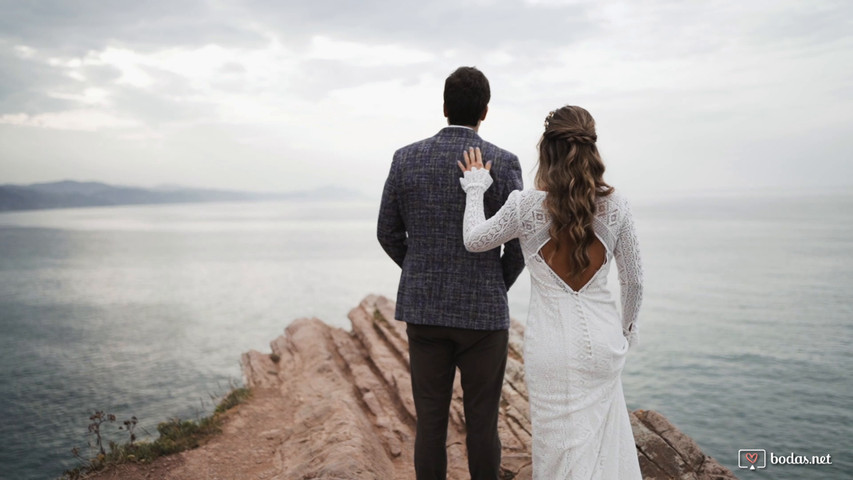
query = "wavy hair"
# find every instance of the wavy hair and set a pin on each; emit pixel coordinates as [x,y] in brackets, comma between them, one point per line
[572,172]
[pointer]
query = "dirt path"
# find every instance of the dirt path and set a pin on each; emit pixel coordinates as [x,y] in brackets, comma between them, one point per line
[246,449]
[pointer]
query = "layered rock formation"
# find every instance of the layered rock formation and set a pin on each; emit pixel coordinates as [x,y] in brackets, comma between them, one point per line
[343,409]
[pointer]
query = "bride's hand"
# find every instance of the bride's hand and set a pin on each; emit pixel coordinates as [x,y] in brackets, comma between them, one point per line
[473,159]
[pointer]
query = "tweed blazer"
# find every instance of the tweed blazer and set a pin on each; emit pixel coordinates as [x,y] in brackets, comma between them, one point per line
[420,227]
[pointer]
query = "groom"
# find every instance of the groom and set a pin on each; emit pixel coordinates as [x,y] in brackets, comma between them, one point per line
[453,302]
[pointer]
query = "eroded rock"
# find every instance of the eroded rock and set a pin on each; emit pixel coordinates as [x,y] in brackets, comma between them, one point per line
[353,415]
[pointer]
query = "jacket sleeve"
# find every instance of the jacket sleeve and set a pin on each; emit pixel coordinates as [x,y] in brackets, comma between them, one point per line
[512,260]
[391,228]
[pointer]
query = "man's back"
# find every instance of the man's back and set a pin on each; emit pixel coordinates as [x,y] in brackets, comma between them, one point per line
[454,302]
[420,227]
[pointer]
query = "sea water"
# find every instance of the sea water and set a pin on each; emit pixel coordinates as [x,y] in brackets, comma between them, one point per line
[144,310]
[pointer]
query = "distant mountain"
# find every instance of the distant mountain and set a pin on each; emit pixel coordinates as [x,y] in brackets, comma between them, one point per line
[68,193]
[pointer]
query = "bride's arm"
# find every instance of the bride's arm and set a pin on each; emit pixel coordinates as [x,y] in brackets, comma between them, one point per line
[479,234]
[627,254]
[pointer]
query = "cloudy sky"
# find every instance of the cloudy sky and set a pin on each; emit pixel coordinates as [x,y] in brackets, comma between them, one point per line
[286,95]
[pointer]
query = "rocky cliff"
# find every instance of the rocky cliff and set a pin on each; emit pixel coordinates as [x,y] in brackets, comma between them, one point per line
[354,416]
[337,405]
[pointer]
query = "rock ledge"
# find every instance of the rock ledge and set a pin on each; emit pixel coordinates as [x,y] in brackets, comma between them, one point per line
[349,412]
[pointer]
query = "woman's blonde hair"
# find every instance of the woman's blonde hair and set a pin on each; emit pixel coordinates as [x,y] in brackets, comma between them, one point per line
[572,172]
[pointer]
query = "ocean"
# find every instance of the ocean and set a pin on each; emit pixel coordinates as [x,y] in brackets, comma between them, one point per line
[745,330]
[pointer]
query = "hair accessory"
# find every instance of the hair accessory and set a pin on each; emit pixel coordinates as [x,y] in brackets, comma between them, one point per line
[549,117]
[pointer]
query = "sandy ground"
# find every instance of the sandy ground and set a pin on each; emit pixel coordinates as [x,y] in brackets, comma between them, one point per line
[247,448]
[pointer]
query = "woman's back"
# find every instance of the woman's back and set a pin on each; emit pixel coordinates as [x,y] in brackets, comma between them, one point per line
[615,239]
[558,255]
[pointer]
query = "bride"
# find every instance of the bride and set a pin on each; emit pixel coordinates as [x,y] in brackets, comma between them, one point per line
[571,227]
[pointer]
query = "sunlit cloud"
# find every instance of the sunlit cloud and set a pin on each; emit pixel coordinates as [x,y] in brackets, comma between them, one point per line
[78,120]
[24,51]
[89,96]
[366,55]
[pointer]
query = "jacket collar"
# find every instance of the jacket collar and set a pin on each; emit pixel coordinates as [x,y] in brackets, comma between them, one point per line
[457,131]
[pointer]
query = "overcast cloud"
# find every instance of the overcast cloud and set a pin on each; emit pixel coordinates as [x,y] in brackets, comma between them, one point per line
[275,96]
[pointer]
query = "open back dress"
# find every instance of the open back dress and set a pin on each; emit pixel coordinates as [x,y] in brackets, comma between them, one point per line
[575,341]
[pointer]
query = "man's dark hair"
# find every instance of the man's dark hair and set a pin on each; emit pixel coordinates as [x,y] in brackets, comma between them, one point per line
[466,95]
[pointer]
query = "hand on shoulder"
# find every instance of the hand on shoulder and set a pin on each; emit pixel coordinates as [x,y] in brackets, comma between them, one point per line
[473,172]
[473,157]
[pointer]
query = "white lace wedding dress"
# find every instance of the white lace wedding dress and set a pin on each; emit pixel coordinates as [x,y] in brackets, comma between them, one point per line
[575,341]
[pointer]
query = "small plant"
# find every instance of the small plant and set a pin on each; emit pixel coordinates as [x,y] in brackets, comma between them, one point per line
[130,426]
[98,418]
[234,398]
[176,435]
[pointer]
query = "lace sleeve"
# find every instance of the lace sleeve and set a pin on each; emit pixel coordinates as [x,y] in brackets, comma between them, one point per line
[627,254]
[479,234]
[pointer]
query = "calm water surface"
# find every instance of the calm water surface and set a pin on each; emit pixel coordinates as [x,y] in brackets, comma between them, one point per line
[145,310]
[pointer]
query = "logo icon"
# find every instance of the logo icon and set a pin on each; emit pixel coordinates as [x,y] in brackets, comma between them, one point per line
[752,458]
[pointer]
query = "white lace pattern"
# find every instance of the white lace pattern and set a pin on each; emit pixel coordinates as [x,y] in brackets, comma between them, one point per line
[575,341]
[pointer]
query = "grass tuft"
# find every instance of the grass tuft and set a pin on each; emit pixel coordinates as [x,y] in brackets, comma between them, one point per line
[176,435]
[234,398]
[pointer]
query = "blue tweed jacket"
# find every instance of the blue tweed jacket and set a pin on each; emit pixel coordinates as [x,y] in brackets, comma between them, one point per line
[420,227]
